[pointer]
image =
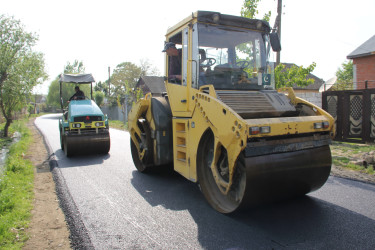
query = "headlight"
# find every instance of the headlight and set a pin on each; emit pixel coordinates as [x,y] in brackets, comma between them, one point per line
[318,125]
[262,130]
[265,130]
[76,125]
[98,124]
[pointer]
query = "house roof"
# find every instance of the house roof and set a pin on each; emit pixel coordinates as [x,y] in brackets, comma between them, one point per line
[366,49]
[154,83]
[317,81]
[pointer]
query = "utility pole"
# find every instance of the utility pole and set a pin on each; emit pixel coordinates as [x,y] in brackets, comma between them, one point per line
[109,81]
[278,21]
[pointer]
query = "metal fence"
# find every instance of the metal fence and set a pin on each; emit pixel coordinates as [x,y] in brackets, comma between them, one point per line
[354,114]
[116,112]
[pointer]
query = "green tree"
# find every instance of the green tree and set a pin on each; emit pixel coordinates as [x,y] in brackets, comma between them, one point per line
[249,9]
[20,67]
[53,97]
[126,72]
[102,87]
[99,97]
[344,76]
[294,75]
[124,78]
[74,68]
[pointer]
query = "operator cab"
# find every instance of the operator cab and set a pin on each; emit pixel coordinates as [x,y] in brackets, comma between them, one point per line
[235,58]
[226,56]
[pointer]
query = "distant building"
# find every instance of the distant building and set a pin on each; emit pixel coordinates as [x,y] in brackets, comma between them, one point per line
[38,101]
[364,64]
[153,84]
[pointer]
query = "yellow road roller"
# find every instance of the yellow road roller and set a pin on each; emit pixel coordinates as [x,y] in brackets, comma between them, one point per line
[222,124]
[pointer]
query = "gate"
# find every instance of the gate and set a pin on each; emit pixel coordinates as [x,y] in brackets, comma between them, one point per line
[354,114]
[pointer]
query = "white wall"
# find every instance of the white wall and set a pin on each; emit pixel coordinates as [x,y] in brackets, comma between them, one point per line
[313,97]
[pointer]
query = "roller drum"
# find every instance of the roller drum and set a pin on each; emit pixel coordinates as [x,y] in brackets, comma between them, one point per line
[260,179]
[87,144]
[280,176]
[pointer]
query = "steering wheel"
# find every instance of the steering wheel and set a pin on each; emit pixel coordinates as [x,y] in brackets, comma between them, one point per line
[242,64]
[209,62]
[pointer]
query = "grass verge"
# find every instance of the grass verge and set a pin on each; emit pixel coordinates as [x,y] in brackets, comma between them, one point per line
[118,124]
[344,153]
[16,190]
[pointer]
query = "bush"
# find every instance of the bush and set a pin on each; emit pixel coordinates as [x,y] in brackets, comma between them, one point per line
[16,192]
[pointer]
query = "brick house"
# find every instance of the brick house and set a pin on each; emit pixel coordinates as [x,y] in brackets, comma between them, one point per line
[364,64]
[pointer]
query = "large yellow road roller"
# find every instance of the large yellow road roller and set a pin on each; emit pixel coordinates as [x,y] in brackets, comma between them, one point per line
[221,123]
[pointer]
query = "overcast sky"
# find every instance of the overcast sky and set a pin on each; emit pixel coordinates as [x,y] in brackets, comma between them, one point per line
[104,34]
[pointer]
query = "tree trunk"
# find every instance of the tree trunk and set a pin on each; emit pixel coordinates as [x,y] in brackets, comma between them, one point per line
[6,127]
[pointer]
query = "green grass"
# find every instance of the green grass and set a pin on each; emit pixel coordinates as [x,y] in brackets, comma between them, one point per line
[16,191]
[118,124]
[370,170]
[353,147]
[344,152]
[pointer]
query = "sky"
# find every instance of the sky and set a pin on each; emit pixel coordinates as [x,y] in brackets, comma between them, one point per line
[104,34]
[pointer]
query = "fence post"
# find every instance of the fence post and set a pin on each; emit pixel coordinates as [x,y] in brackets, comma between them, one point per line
[366,84]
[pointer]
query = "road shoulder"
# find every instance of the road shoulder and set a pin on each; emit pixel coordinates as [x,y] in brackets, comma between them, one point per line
[48,228]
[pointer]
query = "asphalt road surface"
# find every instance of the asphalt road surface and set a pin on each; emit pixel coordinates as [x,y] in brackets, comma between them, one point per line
[109,205]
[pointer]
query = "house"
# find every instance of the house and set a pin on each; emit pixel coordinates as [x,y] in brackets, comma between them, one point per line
[153,84]
[311,92]
[364,64]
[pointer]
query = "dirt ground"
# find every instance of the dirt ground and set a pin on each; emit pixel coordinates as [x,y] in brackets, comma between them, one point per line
[352,175]
[48,229]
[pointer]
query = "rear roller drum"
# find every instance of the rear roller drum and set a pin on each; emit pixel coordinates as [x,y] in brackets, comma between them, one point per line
[145,144]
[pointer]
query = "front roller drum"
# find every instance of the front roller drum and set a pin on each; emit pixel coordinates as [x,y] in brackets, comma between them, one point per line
[86,144]
[286,175]
[262,179]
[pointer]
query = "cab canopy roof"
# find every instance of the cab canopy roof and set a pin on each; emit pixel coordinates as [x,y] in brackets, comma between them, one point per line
[77,78]
[216,18]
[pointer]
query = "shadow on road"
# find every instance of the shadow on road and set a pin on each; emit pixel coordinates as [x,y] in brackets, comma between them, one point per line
[80,161]
[306,222]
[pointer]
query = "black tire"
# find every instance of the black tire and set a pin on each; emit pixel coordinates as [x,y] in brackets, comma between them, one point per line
[222,203]
[144,164]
